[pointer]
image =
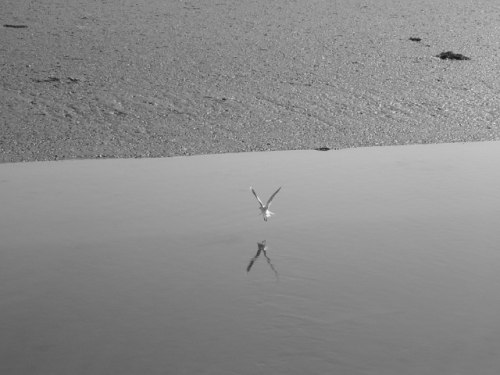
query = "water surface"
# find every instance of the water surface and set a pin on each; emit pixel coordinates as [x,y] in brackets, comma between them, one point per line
[379,261]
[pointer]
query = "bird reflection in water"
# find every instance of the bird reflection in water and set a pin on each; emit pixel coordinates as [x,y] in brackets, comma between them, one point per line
[262,249]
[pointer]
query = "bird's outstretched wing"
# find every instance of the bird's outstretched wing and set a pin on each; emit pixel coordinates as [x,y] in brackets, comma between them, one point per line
[272,197]
[253,191]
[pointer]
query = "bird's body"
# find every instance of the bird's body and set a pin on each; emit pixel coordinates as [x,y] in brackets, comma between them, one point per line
[264,209]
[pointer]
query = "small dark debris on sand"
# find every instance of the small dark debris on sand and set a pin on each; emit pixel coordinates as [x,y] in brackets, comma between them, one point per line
[452,56]
[413,39]
[50,79]
[16,26]
[323,149]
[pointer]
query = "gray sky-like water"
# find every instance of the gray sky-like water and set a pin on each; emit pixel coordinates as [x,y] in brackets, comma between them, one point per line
[379,261]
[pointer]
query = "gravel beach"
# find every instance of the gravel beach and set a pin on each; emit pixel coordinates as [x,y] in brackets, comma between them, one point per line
[154,78]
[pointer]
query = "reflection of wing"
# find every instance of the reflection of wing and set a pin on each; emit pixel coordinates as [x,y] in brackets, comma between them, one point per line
[269,262]
[272,197]
[251,264]
[253,191]
[254,259]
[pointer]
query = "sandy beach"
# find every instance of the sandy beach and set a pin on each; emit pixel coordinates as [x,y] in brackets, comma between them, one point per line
[160,78]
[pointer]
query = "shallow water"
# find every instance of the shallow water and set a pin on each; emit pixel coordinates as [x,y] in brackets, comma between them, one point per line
[380,261]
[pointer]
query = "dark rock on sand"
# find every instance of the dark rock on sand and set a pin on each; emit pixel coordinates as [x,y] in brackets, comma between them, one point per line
[415,39]
[449,55]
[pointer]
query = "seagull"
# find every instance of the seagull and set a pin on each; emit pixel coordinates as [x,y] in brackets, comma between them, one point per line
[265,209]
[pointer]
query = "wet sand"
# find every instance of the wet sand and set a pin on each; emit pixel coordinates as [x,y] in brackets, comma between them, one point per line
[164,78]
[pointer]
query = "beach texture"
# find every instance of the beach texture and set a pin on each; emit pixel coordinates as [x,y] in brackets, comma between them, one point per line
[153,78]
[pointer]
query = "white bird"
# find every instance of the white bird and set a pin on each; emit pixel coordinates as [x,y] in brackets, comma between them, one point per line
[265,209]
